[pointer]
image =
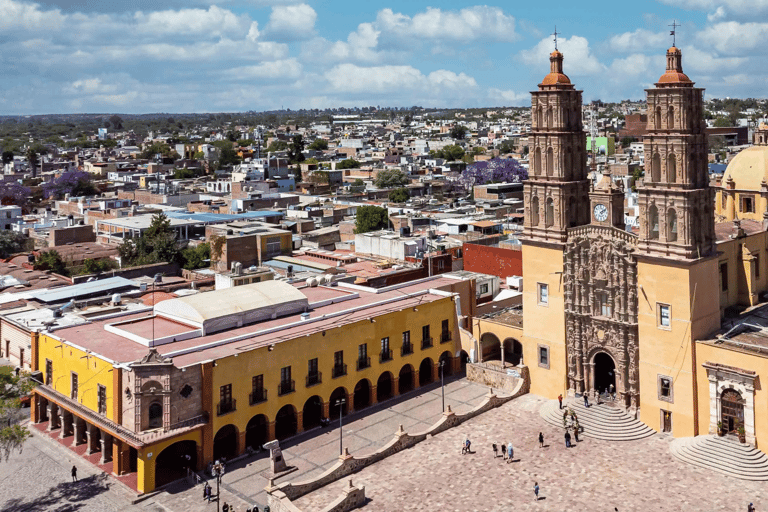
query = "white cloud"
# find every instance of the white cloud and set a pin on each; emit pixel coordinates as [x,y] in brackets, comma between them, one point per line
[508,98]
[577,57]
[731,37]
[637,40]
[215,21]
[384,79]
[735,6]
[288,69]
[718,15]
[289,22]
[706,62]
[469,24]
[637,65]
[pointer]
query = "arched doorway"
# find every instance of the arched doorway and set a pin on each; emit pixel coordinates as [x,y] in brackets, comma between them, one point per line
[513,351]
[384,387]
[225,443]
[405,379]
[285,422]
[171,464]
[605,372]
[338,394]
[155,415]
[362,394]
[256,431]
[446,363]
[464,358]
[313,412]
[425,371]
[731,409]
[490,347]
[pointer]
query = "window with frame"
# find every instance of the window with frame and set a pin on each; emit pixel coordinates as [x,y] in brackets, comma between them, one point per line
[384,345]
[48,372]
[665,388]
[724,277]
[605,305]
[73,392]
[312,366]
[543,292]
[362,351]
[425,332]
[543,356]
[339,368]
[664,315]
[102,394]
[748,204]
[483,289]
[257,389]
[407,347]
[286,383]
[225,394]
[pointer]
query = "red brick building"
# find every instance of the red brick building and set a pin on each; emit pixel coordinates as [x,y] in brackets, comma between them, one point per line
[496,261]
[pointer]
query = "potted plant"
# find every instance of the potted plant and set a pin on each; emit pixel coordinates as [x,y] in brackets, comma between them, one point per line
[742,433]
[720,429]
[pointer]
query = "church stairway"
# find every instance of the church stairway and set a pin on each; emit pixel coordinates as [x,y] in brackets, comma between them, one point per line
[723,455]
[603,421]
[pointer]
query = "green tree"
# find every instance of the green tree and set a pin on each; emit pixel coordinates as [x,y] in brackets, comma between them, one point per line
[11,243]
[157,243]
[389,178]
[626,141]
[295,154]
[12,434]
[7,157]
[318,145]
[371,218]
[153,149]
[51,260]
[184,174]
[458,132]
[723,122]
[349,163]
[399,195]
[196,257]
[116,121]
[32,160]
[506,147]
[451,152]
[91,266]
[276,146]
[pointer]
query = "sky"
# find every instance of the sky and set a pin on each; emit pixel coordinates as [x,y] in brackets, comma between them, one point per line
[144,56]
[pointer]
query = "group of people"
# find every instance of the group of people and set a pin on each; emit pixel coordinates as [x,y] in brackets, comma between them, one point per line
[507,452]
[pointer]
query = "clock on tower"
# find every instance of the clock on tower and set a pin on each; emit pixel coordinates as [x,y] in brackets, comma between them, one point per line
[607,200]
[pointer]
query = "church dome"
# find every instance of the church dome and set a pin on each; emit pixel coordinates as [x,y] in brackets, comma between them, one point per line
[748,169]
[674,73]
[556,75]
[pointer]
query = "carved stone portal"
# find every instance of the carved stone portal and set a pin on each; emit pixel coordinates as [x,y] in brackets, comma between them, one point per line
[601,310]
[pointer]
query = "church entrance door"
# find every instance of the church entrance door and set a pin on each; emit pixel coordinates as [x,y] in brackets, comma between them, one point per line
[731,409]
[605,372]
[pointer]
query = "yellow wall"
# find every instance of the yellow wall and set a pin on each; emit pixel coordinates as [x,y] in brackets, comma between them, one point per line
[733,208]
[296,353]
[745,280]
[544,325]
[91,371]
[145,462]
[667,351]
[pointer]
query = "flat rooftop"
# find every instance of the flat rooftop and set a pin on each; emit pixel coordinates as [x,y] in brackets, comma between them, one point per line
[748,332]
[344,305]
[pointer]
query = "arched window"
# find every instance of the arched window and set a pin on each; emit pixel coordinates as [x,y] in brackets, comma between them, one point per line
[540,118]
[671,118]
[535,211]
[155,415]
[671,225]
[550,162]
[550,118]
[550,213]
[656,168]
[568,162]
[657,119]
[537,161]
[671,168]
[653,223]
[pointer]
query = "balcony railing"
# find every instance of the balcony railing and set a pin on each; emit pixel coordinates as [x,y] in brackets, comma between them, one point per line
[445,337]
[285,387]
[385,355]
[426,343]
[314,379]
[363,363]
[226,407]
[339,370]
[258,396]
[406,349]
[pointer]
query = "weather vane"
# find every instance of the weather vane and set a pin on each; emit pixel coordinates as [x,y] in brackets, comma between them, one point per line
[674,26]
[555,34]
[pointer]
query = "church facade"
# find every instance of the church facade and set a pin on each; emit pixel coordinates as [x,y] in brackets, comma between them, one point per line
[640,312]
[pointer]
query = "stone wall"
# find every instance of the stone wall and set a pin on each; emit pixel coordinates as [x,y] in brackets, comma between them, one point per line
[351,497]
[494,377]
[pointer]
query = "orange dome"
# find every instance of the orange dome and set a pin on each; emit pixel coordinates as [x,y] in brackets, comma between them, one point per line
[555,79]
[674,73]
[674,77]
[556,75]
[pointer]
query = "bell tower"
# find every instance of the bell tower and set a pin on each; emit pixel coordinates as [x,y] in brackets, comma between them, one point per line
[557,189]
[606,202]
[676,202]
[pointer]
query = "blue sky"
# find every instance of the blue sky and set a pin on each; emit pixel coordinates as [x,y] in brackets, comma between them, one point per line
[62,56]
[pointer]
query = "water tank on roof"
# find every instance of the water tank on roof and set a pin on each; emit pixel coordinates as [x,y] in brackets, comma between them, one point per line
[230,232]
[143,287]
[116,299]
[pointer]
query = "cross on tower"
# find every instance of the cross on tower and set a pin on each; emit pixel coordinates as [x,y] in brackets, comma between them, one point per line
[555,34]
[674,26]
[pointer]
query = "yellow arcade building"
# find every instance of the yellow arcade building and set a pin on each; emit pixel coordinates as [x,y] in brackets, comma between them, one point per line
[208,376]
[655,314]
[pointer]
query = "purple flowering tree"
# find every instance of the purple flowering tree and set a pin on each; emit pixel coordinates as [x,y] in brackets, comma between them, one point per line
[497,170]
[74,183]
[13,193]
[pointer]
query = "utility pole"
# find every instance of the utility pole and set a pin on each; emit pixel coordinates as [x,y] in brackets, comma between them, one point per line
[340,404]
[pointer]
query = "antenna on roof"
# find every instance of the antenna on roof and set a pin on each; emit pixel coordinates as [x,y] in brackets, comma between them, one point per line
[555,34]
[672,32]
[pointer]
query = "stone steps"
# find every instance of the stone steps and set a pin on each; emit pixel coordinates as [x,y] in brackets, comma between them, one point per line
[602,421]
[722,455]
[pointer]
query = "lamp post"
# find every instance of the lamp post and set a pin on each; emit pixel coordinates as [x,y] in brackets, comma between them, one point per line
[442,382]
[340,404]
[218,471]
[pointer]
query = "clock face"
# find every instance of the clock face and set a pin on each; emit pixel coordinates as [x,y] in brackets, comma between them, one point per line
[601,212]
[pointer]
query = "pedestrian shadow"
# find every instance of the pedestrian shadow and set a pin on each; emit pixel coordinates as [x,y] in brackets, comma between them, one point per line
[56,498]
[541,498]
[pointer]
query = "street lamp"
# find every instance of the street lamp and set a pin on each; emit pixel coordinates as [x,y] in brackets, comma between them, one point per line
[218,471]
[340,404]
[442,382]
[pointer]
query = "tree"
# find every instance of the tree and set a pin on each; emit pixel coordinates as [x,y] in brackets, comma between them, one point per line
[506,147]
[51,260]
[370,218]
[11,243]
[722,122]
[295,154]
[184,174]
[116,121]
[32,160]
[196,257]
[276,146]
[12,434]
[7,157]
[458,132]
[349,163]
[158,148]
[13,193]
[157,243]
[74,183]
[318,145]
[91,266]
[497,170]
[451,152]
[389,178]
[626,141]
[399,195]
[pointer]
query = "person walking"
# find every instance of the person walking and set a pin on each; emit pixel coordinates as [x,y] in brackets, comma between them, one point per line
[225,507]
[612,392]
[541,440]
[74,473]
[560,400]
[536,491]
[567,439]
[750,508]
[576,432]
[510,453]
[586,400]
[495,451]
[504,452]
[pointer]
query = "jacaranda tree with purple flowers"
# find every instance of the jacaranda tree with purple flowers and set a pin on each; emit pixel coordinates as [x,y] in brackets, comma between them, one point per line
[13,193]
[74,183]
[497,170]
